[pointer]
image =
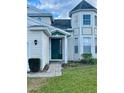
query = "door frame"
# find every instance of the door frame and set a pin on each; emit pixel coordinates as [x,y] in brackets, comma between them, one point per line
[50,56]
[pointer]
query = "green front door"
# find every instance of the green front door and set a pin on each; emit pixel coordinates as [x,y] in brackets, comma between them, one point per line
[56,48]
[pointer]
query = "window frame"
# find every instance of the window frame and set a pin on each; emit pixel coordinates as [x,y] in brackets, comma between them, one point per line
[87,45]
[86,19]
[76,45]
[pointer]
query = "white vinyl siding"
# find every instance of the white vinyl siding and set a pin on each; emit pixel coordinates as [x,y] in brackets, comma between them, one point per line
[76,20]
[76,32]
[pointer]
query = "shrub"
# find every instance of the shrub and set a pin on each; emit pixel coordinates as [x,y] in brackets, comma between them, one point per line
[86,57]
[93,61]
[83,61]
[34,64]
[64,65]
[71,64]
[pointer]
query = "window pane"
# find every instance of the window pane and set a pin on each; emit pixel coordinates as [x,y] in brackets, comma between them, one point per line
[76,49]
[86,19]
[87,49]
[87,41]
[76,45]
[87,44]
[95,49]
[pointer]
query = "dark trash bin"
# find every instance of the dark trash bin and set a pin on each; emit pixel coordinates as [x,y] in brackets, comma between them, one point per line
[34,64]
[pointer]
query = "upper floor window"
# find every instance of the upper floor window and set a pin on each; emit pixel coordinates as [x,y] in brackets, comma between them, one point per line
[86,19]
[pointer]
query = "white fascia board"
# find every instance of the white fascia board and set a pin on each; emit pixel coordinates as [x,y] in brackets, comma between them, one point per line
[61,31]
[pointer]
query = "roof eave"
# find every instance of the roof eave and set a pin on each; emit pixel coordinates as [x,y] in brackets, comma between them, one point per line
[70,13]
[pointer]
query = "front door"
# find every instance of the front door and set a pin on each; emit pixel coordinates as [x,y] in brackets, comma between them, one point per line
[56,48]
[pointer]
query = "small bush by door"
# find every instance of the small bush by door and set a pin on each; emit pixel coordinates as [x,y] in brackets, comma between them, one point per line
[88,59]
[34,64]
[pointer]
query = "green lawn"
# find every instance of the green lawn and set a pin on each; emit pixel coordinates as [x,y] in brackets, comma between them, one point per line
[81,79]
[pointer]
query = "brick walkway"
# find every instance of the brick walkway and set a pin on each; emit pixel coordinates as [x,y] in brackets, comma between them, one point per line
[54,70]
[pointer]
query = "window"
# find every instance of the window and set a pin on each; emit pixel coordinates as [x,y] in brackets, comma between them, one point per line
[76,45]
[95,20]
[86,19]
[87,45]
[76,49]
[95,45]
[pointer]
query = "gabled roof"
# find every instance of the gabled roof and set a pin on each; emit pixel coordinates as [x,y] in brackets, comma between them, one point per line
[35,25]
[42,24]
[62,23]
[38,13]
[41,15]
[82,5]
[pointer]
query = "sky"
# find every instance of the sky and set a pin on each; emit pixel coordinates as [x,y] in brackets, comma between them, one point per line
[59,8]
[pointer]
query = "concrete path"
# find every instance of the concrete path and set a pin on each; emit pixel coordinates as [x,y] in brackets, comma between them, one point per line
[54,70]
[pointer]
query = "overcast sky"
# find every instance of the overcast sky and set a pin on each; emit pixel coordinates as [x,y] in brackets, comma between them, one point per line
[59,8]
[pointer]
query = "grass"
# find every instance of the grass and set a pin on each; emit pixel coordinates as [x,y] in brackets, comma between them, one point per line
[80,79]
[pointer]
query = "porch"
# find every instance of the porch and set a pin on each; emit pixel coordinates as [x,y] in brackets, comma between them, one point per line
[58,47]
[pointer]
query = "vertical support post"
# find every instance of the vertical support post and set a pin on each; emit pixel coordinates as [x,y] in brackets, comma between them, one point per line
[66,50]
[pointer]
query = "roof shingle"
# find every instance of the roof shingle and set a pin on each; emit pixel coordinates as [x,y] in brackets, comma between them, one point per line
[82,5]
[62,23]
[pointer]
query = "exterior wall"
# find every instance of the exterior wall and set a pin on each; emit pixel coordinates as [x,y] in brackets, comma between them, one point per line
[41,50]
[45,49]
[70,47]
[84,31]
[75,22]
[34,50]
